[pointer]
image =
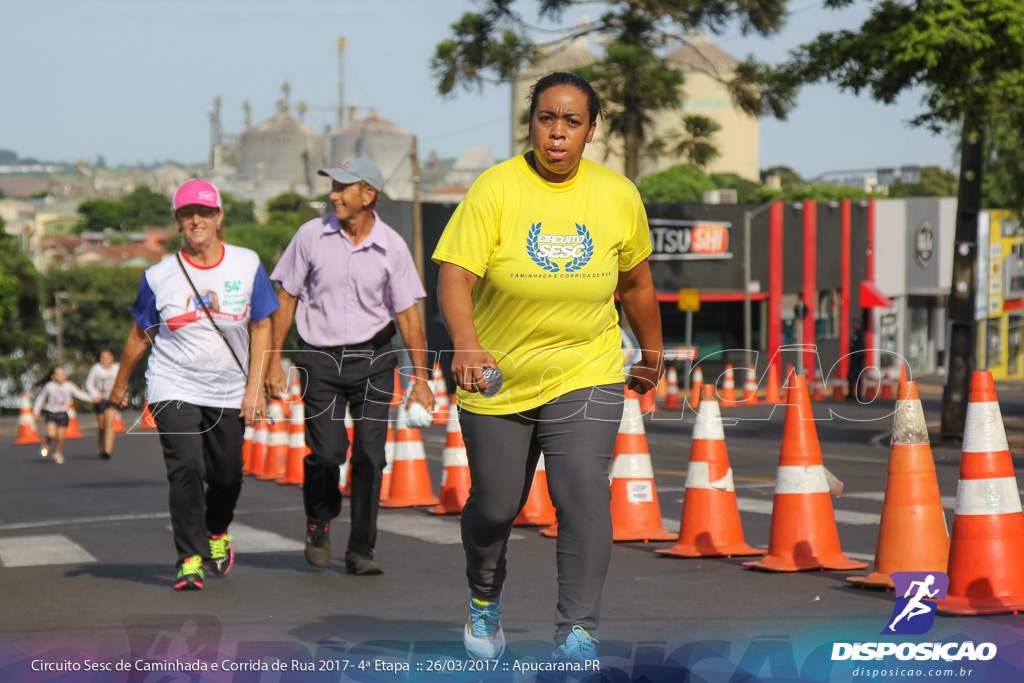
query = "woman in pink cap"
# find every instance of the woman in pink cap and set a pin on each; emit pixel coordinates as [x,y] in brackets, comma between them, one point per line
[201,310]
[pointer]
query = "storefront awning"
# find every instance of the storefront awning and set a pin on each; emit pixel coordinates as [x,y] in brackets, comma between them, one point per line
[872,297]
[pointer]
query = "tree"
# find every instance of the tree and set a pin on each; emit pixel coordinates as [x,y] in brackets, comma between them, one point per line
[23,339]
[679,184]
[935,182]
[143,207]
[635,82]
[237,211]
[696,142]
[99,214]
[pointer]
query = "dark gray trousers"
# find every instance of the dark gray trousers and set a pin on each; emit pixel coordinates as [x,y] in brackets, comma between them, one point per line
[576,433]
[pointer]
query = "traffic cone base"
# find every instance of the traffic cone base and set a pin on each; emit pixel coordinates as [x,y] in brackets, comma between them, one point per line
[72,431]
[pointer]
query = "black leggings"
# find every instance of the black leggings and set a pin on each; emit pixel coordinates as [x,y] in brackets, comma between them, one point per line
[201,444]
[576,432]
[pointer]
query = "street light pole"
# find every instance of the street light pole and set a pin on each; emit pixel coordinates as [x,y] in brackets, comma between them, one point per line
[58,297]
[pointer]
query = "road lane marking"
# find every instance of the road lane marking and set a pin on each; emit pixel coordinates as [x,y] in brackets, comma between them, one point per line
[842,516]
[425,527]
[948,502]
[36,551]
[247,539]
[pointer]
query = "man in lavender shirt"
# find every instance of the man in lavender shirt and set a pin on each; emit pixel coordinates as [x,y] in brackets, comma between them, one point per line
[341,277]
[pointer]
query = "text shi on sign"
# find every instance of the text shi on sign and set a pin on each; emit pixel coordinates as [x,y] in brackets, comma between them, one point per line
[675,240]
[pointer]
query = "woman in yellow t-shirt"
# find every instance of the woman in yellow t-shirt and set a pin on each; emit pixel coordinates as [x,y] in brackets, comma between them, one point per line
[530,264]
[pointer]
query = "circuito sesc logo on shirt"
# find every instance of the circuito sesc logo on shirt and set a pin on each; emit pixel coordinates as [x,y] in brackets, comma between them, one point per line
[914,613]
[545,249]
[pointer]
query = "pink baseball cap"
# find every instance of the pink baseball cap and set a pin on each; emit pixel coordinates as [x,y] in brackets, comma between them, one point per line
[196,192]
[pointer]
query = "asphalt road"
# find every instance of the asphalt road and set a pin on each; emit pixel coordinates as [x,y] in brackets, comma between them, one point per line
[86,563]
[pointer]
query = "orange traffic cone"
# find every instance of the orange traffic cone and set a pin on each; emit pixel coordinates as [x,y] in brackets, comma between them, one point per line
[636,514]
[728,387]
[247,450]
[410,480]
[147,421]
[442,407]
[661,391]
[295,471]
[838,389]
[258,461]
[710,523]
[538,511]
[887,392]
[72,431]
[397,398]
[750,387]
[455,477]
[27,433]
[817,386]
[672,390]
[277,443]
[389,466]
[986,552]
[803,530]
[648,404]
[696,380]
[118,424]
[772,397]
[344,483]
[912,535]
[870,384]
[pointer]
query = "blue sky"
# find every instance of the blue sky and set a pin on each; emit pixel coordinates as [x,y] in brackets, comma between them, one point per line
[135,81]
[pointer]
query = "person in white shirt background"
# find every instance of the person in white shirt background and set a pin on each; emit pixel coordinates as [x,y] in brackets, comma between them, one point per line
[99,383]
[52,404]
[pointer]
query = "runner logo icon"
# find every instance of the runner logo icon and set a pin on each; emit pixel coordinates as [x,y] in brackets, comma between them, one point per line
[914,613]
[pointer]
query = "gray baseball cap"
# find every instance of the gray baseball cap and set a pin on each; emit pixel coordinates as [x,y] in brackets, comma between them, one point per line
[354,170]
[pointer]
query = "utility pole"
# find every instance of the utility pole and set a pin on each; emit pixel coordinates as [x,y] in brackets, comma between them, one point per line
[417,220]
[963,291]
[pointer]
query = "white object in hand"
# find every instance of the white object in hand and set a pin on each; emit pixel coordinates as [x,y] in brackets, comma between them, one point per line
[417,416]
[494,380]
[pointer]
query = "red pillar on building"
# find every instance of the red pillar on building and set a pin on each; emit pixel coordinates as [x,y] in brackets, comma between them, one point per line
[775,285]
[810,287]
[869,329]
[844,295]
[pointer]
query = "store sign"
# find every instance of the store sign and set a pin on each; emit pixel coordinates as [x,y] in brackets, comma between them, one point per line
[674,240]
[925,247]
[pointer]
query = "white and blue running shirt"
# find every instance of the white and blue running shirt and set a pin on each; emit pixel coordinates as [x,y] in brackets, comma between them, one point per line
[189,361]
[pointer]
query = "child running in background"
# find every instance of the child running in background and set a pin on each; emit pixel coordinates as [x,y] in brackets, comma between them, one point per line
[52,403]
[99,383]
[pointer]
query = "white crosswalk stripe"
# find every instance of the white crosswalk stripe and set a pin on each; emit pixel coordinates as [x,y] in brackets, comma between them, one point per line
[429,528]
[35,551]
[247,539]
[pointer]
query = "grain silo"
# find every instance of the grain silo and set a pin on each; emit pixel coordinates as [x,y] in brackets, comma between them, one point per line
[383,142]
[281,151]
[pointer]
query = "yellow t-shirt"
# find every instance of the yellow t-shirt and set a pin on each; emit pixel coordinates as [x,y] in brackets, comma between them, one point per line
[548,256]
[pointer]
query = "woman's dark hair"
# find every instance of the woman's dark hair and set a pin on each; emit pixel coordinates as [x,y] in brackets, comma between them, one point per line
[564,78]
[104,349]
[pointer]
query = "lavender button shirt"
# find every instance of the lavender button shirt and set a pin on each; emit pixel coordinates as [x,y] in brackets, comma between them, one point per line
[346,292]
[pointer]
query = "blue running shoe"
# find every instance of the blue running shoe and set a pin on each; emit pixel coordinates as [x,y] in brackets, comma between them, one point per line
[483,636]
[580,646]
